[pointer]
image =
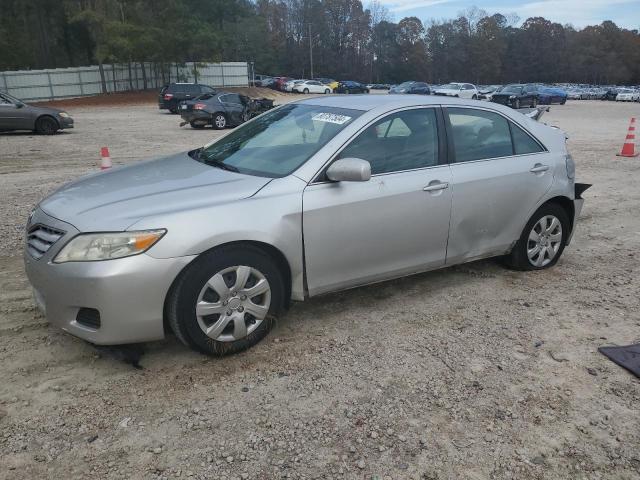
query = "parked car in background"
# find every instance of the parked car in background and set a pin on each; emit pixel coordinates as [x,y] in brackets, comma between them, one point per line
[220,110]
[517,95]
[349,86]
[329,82]
[627,95]
[485,93]
[172,94]
[266,82]
[415,88]
[210,242]
[550,95]
[461,90]
[310,86]
[280,82]
[288,87]
[574,95]
[610,94]
[17,115]
[378,86]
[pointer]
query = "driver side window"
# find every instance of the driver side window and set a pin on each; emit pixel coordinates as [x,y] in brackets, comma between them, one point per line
[401,141]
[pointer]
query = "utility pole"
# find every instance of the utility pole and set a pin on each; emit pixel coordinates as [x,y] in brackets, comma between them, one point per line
[310,53]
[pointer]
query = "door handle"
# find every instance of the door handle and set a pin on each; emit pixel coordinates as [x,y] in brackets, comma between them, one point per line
[538,167]
[435,186]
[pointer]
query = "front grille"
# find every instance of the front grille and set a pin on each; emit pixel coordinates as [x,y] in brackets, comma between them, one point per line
[41,238]
[89,317]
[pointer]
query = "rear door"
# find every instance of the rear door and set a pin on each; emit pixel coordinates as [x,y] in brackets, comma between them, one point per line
[394,224]
[499,174]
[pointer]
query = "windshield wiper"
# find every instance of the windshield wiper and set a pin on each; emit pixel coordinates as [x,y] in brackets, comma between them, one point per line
[221,165]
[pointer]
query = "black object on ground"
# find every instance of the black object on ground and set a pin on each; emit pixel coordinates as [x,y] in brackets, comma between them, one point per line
[626,356]
[130,354]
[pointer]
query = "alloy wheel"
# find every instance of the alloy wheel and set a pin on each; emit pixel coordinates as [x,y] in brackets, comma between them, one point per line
[220,121]
[544,241]
[233,303]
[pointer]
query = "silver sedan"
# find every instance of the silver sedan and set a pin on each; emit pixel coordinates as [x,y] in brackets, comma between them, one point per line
[313,197]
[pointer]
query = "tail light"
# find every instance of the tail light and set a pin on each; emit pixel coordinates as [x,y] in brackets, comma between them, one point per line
[199,106]
[168,96]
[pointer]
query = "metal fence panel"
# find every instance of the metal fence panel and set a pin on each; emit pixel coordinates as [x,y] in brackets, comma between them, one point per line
[81,81]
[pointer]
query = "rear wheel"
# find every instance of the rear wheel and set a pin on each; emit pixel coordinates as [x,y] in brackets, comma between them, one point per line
[226,301]
[305,91]
[516,104]
[47,126]
[542,240]
[327,91]
[219,121]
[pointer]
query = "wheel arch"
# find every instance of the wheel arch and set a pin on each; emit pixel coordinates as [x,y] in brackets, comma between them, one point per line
[567,205]
[275,253]
[46,115]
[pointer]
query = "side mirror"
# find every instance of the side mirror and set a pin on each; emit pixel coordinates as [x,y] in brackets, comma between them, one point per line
[19,105]
[349,170]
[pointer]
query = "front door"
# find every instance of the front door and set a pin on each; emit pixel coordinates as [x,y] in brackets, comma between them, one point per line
[394,224]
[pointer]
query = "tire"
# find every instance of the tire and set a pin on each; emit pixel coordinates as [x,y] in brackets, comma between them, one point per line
[305,91]
[219,121]
[197,126]
[193,287]
[520,259]
[534,102]
[516,105]
[475,97]
[327,91]
[564,100]
[47,126]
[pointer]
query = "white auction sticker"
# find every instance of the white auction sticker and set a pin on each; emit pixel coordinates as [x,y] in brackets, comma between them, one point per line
[331,118]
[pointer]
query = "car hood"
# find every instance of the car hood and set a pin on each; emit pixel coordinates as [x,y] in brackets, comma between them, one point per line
[116,199]
[448,91]
[43,110]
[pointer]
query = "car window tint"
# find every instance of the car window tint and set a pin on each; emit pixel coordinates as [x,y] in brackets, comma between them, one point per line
[479,134]
[191,89]
[523,143]
[231,98]
[402,141]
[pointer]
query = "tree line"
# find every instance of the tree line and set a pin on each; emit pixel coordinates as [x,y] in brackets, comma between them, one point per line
[343,39]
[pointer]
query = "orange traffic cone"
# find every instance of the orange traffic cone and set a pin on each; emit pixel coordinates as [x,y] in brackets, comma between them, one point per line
[105,159]
[628,149]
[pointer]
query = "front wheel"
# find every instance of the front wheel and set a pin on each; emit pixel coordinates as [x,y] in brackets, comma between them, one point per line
[327,91]
[226,301]
[47,126]
[219,121]
[305,91]
[542,240]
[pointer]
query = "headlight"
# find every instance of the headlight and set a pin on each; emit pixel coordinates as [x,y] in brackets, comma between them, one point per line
[63,114]
[91,247]
[512,97]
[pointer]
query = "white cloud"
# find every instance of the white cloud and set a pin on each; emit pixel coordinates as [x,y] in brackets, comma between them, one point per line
[577,12]
[404,5]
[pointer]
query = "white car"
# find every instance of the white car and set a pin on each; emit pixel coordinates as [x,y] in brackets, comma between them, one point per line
[628,95]
[462,90]
[288,87]
[310,86]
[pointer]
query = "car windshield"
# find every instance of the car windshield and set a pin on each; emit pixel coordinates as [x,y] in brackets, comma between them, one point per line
[451,86]
[278,142]
[512,89]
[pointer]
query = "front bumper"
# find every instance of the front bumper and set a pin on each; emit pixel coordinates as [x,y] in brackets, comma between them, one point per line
[65,122]
[129,293]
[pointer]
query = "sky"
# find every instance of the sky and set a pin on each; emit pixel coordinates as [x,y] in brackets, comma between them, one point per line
[579,13]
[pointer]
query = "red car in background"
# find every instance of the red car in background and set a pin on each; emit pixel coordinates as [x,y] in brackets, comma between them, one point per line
[279,83]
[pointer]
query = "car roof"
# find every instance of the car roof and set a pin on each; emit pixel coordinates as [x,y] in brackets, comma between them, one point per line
[369,102]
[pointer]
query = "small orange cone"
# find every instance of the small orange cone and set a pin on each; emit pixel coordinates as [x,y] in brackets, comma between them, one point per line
[629,147]
[105,159]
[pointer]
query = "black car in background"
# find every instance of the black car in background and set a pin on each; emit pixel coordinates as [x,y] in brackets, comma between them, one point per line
[172,94]
[517,95]
[349,86]
[610,94]
[17,115]
[220,110]
[412,88]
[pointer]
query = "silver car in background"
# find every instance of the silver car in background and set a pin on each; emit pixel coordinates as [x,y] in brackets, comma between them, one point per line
[312,197]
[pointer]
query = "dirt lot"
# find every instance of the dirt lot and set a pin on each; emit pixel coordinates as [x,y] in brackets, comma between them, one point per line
[473,372]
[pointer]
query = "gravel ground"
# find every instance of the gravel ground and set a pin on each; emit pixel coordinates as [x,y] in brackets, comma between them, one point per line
[473,372]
